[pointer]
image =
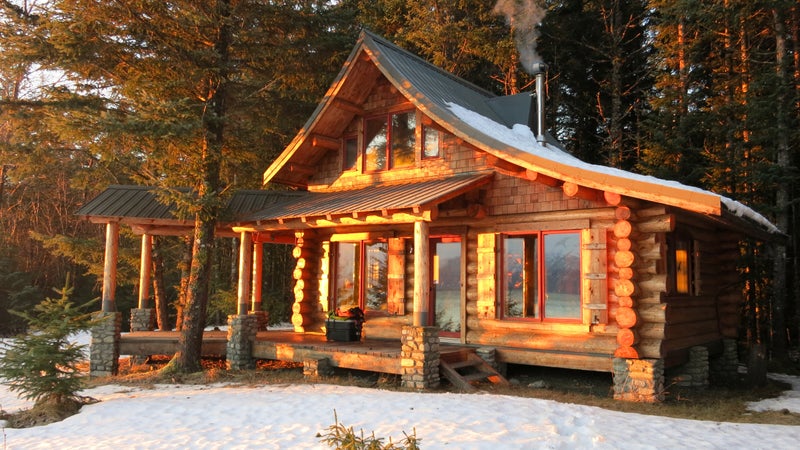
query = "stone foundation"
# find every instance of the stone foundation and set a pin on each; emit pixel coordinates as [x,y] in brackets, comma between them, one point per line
[315,368]
[241,334]
[104,347]
[694,373]
[143,319]
[639,380]
[724,369]
[420,357]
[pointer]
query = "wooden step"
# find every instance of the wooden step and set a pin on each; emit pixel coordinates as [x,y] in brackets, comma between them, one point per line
[461,369]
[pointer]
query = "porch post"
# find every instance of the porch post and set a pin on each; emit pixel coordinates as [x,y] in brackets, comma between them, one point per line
[104,346]
[245,271]
[143,318]
[110,267]
[255,307]
[422,275]
[144,270]
[258,259]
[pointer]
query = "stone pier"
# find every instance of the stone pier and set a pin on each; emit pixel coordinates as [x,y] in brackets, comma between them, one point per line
[639,380]
[143,319]
[420,357]
[242,330]
[104,347]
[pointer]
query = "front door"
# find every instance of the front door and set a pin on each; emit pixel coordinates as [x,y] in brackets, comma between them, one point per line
[446,285]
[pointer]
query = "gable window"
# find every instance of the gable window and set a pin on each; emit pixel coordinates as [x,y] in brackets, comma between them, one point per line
[389,141]
[431,139]
[350,152]
[542,276]
[360,276]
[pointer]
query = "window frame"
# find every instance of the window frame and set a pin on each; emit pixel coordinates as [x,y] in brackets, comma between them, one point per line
[389,150]
[361,276]
[540,271]
[682,262]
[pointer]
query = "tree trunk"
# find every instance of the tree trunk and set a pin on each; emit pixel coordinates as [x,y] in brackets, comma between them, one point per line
[159,290]
[183,295]
[191,339]
[194,316]
[782,195]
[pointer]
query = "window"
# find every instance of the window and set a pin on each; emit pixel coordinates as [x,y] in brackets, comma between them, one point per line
[360,276]
[682,265]
[350,152]
[389,141]
[542,276]
[430,142]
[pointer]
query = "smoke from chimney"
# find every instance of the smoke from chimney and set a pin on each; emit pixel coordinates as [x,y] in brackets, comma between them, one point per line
[524,17]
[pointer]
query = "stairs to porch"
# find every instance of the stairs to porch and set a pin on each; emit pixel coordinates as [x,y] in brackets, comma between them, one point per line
[464,369]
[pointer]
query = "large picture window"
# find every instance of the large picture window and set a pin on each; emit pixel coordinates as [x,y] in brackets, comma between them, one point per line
[360,276]
[542,276]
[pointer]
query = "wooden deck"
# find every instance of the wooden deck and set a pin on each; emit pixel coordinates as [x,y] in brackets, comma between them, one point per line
[374,355]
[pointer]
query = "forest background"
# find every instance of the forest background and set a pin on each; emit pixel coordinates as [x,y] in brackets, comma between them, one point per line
[206,93]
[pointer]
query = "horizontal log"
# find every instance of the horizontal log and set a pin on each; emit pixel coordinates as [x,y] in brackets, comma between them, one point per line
[653,284]
[622,213]
[301,274]
[303,252]
[657,224]
[550,342]
[652,313]
[626,352]
[622,229]
[626,317]
[691,341]
[302,320]
[578,361]
[624,259]
[612,198]
[623,244]
[305,307]
[627,337]
[650,348]
[624,288]
[625,273]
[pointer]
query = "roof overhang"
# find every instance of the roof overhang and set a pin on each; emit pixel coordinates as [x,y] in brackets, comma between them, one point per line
[396,203]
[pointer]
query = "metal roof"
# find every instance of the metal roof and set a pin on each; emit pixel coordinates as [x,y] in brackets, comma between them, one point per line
[142,202]
[407,195]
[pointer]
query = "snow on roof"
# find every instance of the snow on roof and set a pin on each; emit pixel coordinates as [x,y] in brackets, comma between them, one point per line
[522,138]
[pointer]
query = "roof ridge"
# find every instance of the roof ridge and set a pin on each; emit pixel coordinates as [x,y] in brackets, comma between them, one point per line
[408,54]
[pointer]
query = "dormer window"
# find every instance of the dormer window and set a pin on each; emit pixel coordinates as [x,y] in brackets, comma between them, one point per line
[389,141]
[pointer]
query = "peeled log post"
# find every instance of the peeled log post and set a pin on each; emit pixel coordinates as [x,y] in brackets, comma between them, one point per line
[626,317]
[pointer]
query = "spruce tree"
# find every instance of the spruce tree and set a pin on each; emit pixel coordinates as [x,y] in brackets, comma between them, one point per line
[42,365]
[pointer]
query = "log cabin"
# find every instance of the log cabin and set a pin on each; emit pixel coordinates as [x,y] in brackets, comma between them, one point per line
[443,210]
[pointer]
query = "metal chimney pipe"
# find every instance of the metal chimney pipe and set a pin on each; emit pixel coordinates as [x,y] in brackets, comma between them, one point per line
[540,71]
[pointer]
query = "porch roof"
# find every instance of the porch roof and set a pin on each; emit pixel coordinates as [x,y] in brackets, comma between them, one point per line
[412,194]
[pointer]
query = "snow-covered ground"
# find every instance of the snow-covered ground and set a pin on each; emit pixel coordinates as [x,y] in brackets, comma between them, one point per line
[291,416]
